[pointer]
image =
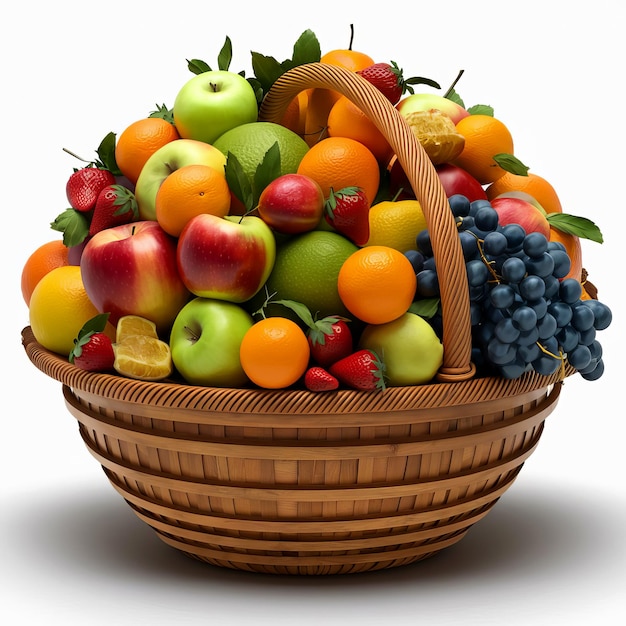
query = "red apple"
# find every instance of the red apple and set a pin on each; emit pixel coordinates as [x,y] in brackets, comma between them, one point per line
[513,210]
[291,204]
[226,258]
[455,180]
[131,270]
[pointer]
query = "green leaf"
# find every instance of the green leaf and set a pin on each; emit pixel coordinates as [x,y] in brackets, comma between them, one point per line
[426,308]
[95,325]
[454,96]
[238,181]
[266,70]
[420,80]
[196,66]
[163,112]
[481,109]
[301,310]
[267,171]
[106,154]
[511,163]
[306,49]
[73,224]
[575,225]
[225,55]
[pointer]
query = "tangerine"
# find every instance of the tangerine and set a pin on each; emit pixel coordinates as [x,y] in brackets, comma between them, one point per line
[139,141]
[274,353]
[346,119]
[59,308]
[129,325]
[532,184]
[46,257]
[377,284]
[189,191]
[340,162]
[485,137]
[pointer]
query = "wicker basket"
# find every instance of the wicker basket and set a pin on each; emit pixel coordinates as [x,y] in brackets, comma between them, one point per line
[293,482]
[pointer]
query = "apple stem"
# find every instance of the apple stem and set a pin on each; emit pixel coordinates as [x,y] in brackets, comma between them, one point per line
[454,82]
[193,336]
[397,194]
[351,36]
[75,155]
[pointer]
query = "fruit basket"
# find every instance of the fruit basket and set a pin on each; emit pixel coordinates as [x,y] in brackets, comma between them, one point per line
[294,482]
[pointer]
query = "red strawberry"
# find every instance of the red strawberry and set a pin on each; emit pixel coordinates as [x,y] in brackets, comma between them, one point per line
[84,186]
[115,205]
[317,378]
[360,370]
[330,339]
[93,350]
[389,80]
[347,211]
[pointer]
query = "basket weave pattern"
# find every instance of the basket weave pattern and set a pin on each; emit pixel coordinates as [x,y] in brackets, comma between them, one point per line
[293,482]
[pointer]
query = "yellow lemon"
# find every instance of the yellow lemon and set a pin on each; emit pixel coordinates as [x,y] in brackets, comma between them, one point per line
[396,224]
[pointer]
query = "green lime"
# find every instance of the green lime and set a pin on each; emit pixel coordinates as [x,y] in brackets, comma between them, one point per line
[306,270]
[250,142]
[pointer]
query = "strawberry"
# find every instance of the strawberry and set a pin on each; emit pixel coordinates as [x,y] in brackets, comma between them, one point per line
[360,370]
[84,186]
[389,80]
[93,349]
[330,339]
[347,211]
[316,378]
[115,205]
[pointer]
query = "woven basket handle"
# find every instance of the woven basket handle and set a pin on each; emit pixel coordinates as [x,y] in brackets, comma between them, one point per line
[457,340]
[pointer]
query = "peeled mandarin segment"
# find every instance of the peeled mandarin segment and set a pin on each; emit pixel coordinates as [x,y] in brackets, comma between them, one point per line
[437,134]
[143,358]
[135,325]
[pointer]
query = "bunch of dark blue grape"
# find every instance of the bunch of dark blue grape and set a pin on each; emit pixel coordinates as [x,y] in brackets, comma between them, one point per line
[524,314]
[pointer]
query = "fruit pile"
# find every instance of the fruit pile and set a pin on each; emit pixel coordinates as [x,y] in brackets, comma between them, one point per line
[205,246]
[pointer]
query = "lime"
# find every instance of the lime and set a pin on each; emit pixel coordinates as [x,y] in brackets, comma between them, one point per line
[250,142]
[306,270]
[396,224]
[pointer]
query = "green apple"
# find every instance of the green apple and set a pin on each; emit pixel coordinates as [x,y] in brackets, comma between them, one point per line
[213,102]
[409,348]
[205,340]
[168,159]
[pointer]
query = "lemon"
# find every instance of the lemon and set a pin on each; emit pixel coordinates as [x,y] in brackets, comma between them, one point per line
[135,325]
[306,270]
[59,307]
[142,357]
[396,224]
[250,142]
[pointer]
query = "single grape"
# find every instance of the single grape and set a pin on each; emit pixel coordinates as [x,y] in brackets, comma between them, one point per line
[580,357]
[416,259]
[486,218]
[539,306]
[515,235]
[562,263]
[570,290]
[556,245]
[535,244]
[423,243]
[477,292]
[506,331]
[528,337]
[596,349]
[513,270]
[587,337]
[513,370]
[524,317]
[469,245]
[561,312]
[582,317]
[532,288]
[546,364]
[541,265]
[459,205]
[529,353]
[476,205]
[429,264]
[502,296]
[568,338]
[500,353]
[603,315]
[477,273]
[494,243]
[552,284]
[427,284]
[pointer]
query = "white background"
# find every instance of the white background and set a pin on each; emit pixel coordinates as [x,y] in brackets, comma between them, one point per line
[552,550]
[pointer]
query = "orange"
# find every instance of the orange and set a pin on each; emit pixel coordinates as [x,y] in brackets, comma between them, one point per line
[320,101]
[59,308]
[189,191]
[485,137]
[347,120]
[339,162]
[573,249]
[139,141]
[45,258]
[532,184]
[377,284]
[274,353]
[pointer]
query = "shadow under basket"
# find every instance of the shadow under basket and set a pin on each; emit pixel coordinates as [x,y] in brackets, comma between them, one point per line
[297,482]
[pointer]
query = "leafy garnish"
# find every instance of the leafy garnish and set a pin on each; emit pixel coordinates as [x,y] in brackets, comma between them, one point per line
[575,225]
[95,325]
[73,224]
[511,164]
[426,308]
[481,109]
